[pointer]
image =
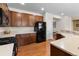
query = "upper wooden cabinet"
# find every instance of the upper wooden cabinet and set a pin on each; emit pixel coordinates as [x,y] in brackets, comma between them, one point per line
[16,19]
[31,20]
[24,19]
[38,18]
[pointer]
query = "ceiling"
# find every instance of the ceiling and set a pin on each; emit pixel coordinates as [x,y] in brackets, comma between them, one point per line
[69,9]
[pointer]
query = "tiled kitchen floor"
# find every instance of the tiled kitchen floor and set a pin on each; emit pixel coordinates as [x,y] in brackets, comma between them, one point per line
[35,49]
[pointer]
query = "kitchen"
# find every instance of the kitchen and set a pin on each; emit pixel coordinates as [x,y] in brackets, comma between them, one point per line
[19,31]
[17,26]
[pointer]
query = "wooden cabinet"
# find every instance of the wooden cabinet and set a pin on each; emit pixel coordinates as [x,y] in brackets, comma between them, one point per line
[33,37]
[24,39]
[19,19]
[38,18]
[24,19]
[54,51]
[16,19]
[31,20]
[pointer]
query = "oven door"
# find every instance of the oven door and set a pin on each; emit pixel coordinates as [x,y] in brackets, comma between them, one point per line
[6,50]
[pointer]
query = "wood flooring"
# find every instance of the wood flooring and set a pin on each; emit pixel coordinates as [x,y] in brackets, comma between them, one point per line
[35,49]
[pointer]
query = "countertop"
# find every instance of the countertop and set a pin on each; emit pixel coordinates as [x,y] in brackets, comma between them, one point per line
[69,44]
[15,30]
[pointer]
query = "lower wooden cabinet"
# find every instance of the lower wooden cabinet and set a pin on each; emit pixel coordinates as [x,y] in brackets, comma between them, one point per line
[33,37]
[54,51]
[24,39]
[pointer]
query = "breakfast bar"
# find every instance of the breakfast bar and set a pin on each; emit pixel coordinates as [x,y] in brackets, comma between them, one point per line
[67,46]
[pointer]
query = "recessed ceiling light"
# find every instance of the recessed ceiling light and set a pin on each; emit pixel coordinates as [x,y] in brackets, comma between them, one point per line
[42,9]
[22,3]
[62,14]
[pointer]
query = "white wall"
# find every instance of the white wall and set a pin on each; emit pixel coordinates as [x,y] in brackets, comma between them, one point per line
[65,23]
[57,24]
[48,18]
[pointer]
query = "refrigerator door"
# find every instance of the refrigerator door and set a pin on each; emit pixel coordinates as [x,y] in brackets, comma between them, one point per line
[40,28]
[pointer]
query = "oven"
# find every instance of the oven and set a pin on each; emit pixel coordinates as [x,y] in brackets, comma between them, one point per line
[8,42]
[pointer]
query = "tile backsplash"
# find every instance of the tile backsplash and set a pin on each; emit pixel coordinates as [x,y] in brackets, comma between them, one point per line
[17,29]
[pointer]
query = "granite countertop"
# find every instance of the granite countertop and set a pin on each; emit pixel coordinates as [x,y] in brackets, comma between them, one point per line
[69,44]
[13,31]
[7,35]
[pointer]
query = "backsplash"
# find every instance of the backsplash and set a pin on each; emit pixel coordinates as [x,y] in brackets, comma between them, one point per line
[72,32]
[17,29]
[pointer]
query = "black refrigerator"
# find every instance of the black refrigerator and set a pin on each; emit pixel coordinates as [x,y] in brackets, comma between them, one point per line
[40,29]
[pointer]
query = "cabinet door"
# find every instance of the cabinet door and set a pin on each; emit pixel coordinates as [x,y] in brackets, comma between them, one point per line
[33,37]
[38,18]
[25,19]
[24,39]
[19,40]
[16,19]
[31,20]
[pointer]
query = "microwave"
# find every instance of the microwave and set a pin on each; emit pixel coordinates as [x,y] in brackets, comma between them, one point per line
[3,19]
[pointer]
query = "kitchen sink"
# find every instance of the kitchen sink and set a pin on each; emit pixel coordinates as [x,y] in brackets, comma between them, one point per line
[57,36]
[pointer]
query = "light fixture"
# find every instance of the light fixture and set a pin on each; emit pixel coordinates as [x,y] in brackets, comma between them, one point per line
[42,9]
[22,3]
